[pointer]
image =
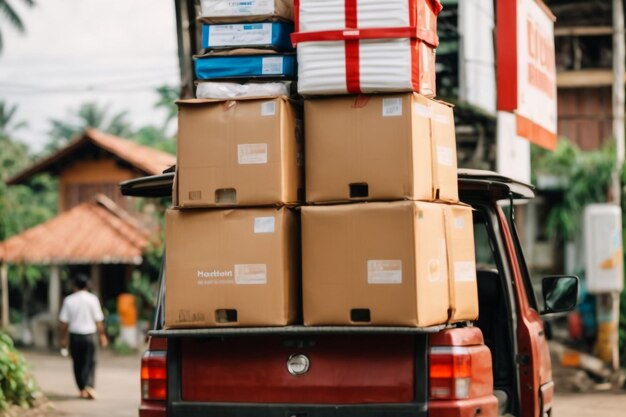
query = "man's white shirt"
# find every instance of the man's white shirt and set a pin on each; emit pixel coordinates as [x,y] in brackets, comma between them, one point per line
[81,311]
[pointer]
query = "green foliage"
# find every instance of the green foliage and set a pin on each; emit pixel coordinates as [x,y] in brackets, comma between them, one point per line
[87,115]
[587,176]
[167,97]
[10,14]
[17,386]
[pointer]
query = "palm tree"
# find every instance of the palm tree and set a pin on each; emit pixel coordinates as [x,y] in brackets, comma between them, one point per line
[88,115]
[7,123]
[12,16]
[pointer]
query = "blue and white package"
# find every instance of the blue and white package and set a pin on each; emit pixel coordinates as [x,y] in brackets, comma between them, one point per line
[210,67]
[274,35]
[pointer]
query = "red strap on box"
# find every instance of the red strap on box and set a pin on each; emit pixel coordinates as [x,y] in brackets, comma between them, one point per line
[353,68]
[357,34]
[296,15]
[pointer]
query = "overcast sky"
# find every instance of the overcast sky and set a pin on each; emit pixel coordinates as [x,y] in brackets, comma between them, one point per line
[114,52]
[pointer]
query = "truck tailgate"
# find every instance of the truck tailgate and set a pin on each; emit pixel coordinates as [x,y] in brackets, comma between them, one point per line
[343,370]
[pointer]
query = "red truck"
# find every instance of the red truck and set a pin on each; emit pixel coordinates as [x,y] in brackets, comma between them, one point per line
[498,365]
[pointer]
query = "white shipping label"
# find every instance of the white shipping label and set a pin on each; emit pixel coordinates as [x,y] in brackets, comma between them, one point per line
[243,34]
[237,7]
[421,110]
[251,274]
[252,154]
[464,272]
[264,225]
[444,156]
[459,223]
[441,119]
[268,108]
[392,107]
[272,66]
[384,272]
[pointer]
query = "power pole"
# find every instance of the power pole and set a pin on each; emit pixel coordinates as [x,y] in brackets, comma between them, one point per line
[608,304]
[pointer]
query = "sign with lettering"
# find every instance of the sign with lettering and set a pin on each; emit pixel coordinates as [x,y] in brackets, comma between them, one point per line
[527,70]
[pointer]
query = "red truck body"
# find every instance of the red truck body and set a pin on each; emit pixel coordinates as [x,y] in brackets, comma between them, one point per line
[498,365]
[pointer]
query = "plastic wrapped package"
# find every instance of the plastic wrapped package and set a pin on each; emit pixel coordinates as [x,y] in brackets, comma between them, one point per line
[227,90]
[235,66]
[245,10]
[366,46]
[271,35]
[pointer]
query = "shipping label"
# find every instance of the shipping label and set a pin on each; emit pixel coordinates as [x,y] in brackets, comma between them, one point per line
[459,222]
[444,156]
[251,274]
[392,107]
[464,272]
[237,7]
[268,108]
[384,272]
[263,225]
[422,110]
[252,154]
[242,34]
[272,65]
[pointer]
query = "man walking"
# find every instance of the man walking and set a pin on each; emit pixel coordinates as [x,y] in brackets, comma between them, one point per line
[81,317]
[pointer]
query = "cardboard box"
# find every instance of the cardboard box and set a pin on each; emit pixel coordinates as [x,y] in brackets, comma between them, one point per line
[238,153]
[375,264]
[243,64]
[461,263]
[366,46]
[216,11]
[384,147]
[270,35]
[231,268]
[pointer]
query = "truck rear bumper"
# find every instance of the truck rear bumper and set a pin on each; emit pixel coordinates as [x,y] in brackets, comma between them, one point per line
[483,406]
[294,410]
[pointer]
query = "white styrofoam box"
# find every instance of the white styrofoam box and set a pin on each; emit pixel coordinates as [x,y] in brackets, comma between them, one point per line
[386,65]
[603,248]
[226,90]
[320,15]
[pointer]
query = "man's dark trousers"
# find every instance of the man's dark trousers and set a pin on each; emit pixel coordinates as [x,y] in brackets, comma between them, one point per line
[83,351]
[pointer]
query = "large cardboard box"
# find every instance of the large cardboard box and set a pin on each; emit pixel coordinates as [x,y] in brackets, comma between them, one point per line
[231,268]
[387,147]
[375,264]
[238,153]
[461,263]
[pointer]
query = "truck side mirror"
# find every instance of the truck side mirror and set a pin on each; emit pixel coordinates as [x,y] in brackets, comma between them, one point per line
[560,294]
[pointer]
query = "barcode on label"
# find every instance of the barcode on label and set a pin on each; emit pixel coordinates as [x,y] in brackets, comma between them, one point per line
[384,272]
[392,107]
[272,66]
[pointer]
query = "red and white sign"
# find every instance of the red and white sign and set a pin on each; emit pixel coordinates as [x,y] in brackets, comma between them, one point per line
[527,70]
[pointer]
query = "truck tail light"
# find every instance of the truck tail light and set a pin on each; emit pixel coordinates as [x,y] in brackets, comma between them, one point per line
[450,373]
[154,376]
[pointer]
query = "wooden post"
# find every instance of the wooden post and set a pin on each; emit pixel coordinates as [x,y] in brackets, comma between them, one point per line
[96,281]
[4,290]
[54,290]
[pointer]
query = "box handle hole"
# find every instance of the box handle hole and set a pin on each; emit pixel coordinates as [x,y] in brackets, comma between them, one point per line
[360,315]
[226,316]
[226,196]
[359,190]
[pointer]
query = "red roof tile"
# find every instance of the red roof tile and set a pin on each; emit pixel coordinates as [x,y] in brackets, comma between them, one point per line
[97,232]
[150,161]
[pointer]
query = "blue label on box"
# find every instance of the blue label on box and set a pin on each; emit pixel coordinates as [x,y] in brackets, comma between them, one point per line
[275,35]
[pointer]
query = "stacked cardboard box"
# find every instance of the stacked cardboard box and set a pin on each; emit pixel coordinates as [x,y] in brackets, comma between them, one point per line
[233,240]
[247,50]
[385,240]
[404,253]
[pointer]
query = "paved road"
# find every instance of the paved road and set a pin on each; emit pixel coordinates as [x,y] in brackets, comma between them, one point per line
[117,383]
